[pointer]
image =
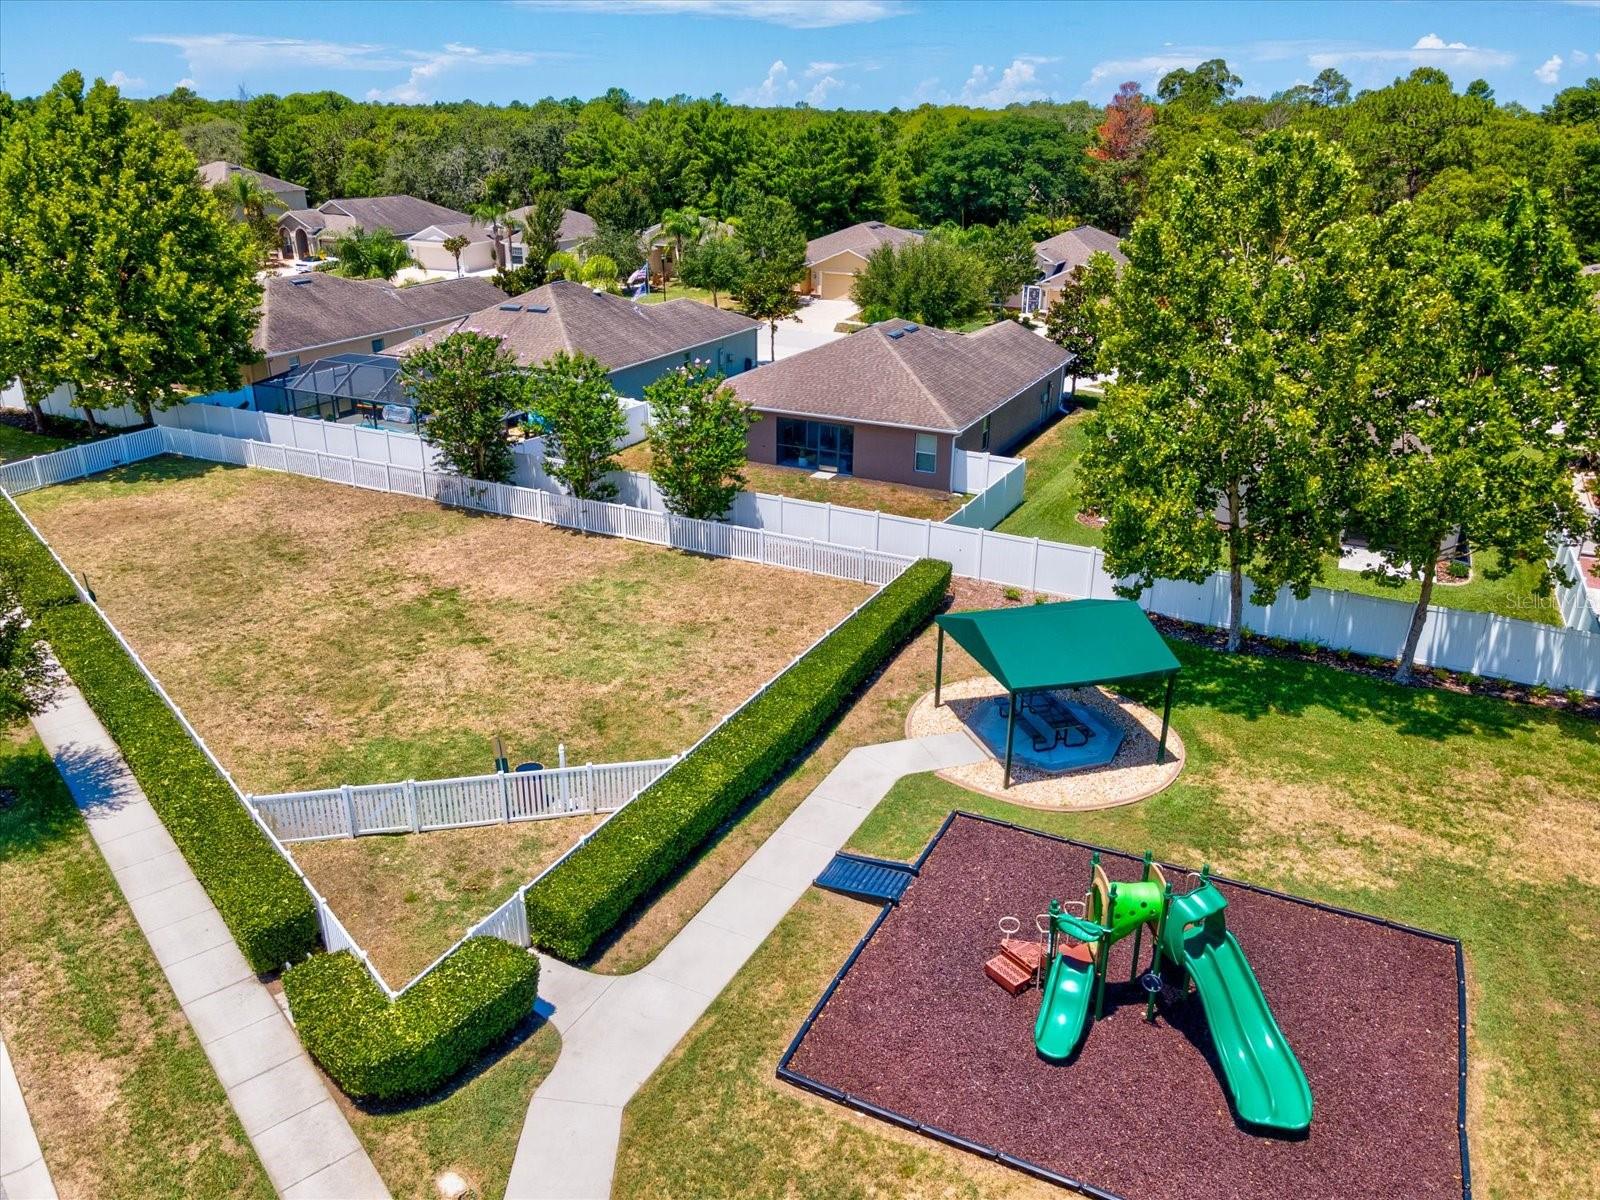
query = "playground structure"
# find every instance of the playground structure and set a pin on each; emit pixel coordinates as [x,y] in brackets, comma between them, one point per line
[1191,946]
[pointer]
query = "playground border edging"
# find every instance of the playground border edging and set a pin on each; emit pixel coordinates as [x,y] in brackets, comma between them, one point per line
[789,1075]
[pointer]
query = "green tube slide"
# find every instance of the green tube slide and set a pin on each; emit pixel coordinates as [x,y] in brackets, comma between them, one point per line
[1064,1010]
[1268,1087]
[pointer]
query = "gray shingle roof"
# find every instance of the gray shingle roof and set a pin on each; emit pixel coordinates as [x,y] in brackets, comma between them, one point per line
[401,215]
[924,378]
[574,224]
[213,173]
[616,331]
[300,312]
[1073,248]
[863,239]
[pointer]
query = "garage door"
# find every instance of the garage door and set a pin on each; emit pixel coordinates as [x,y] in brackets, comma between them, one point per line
[836,285]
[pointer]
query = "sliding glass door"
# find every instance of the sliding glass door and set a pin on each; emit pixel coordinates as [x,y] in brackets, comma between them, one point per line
[816,445]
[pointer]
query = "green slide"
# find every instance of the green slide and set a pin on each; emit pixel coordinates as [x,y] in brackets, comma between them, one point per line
[1064,1008]
[1269,1088]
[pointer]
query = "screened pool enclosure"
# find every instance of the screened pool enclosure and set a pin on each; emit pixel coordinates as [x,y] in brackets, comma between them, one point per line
[354,388]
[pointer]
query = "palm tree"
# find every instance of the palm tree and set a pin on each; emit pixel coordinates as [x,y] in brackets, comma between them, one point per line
[601,270]
[563,264]
[376,255]
[251,203]
[678,223]
[493,214]
[454,246]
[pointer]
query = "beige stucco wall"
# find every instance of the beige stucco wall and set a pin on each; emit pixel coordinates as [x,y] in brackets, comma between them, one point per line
[832,277]
[433,256]
[881,452]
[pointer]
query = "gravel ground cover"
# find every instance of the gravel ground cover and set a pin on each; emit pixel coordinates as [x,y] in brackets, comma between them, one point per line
[1140,1112]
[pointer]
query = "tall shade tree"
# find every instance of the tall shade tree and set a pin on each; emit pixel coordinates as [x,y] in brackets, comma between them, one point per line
[1483,364]
[697,441]
[464,387]
[1223,439]
[28,679]
[1075,319]
[774,250]
[933,281]
[133,284]
[541,231]
[716,265]
[574,396]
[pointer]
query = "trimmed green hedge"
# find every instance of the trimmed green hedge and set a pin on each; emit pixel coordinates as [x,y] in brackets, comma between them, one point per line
[579,902]
[269,911]
[378,1049]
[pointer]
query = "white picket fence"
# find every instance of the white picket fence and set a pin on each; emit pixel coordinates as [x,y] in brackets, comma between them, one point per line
[416,806]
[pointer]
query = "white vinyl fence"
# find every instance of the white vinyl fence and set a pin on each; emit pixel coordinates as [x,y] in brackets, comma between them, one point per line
[417,806]
[75,462]
[874,547]
[1573,598]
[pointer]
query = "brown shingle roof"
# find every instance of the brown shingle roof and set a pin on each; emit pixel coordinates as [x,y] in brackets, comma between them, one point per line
[569,316]
[574,224]
[1073,248]
[922,379]
[301,312]
[863,239]
[213,173]
[401,215]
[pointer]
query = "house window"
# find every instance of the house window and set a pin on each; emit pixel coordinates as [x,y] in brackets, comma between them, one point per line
[987,421]
[816,445]
[927,459]
[518,256]
[377,345]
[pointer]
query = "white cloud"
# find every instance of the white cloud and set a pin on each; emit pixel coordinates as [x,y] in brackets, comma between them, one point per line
[1147,69]
[1548,71]
[1429,50]
[120,79]
[186,82]
[1579,58]
[794,14]
[824,68]
[1018,83]
[818,95]
[226,56]
[778,87]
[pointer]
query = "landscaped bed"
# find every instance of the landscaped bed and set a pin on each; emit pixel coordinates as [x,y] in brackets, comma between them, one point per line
[318,634]
[914,1027]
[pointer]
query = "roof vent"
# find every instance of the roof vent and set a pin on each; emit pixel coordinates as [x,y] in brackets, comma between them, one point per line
[511,308]
[299,282]
[910,328]
[897,334]
[538,308]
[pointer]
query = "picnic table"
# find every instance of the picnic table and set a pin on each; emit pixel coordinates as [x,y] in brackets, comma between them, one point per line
[1049,721]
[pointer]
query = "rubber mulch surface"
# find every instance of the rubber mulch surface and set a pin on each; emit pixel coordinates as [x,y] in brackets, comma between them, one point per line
[1141,1111]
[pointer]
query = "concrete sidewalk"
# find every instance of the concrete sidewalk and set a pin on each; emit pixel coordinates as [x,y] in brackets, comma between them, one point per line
[302,1138]
[23,1173]
[617,1029]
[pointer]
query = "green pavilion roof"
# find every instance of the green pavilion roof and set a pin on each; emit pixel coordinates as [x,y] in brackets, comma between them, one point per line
[1070,644]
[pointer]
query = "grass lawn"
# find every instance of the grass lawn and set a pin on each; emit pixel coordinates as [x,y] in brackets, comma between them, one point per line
[471,1128]
[407,897]
[122,1097]
[1461,814]
[318,634]
[679,292]
[1053,497]
[925,503]
[24,443]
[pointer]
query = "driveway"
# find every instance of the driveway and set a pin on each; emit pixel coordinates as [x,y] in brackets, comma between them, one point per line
[813,329]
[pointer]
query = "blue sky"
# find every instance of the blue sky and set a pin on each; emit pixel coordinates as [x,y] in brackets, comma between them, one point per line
[831,53]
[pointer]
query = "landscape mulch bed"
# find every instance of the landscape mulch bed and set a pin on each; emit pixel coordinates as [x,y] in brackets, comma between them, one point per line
[914,1033]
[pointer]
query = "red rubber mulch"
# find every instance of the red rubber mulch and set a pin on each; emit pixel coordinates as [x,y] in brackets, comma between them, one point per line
[1140,1111]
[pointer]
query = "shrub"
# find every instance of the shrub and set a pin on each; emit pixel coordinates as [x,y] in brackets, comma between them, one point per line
[1539,691]
[265,905]
[576,904]
[1013,593]
[1575,697]
[1458,570]
[1309,648]
[381,1049]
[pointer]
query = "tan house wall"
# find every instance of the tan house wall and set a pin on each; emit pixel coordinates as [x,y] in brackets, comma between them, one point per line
[1016,419]
[272,365]
[432,256]
[833,277]
[881,452]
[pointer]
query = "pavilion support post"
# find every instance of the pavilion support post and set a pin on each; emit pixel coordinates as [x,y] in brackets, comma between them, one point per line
[938,668]
[1166,720]
[1011,733]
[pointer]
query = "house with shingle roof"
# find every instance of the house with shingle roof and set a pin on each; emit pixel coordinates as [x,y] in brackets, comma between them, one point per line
[289,195]
[896,400]
[305,231]
[1058,257]
[835,259]
[637,342]
[427,245]
[305,317]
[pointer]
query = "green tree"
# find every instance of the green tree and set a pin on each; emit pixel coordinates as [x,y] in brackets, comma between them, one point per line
[1576,105]
[563,264]
[1222,440]
[376,255]
[1209,84]
[774,250]
[932,281]
[697,441]
[456,245]
[28,680]
[678,224]
[541,231]
[573,393]
[464,387]
[1403,135]
[252,204]
[492,212]
[599,270]
[134,285]
[716,265]
[1482,356]
[1074,320]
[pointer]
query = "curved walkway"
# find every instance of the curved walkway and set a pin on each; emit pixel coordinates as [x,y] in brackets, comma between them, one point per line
[300,1134]
[617,1029]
